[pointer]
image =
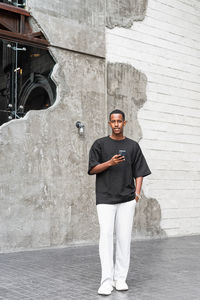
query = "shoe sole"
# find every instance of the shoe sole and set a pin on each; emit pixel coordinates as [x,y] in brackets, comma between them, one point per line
[120,289]
[105,294]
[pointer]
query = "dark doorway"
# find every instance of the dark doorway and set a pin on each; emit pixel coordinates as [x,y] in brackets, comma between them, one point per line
[25,82]
[17,3]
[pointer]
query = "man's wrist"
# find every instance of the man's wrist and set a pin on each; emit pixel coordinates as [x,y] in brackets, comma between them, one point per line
[110,163]
[137,195]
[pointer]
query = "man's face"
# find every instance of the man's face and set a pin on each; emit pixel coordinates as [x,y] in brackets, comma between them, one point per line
[117,123]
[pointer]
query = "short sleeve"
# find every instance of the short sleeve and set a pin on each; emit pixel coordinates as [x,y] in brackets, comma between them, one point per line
[140,166]
[94,156]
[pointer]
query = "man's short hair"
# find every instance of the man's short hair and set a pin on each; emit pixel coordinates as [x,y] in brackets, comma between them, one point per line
[117,111]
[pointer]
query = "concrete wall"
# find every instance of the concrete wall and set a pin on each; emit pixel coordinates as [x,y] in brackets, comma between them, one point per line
[165,47]
[46,197]
[77,25]
[122,13]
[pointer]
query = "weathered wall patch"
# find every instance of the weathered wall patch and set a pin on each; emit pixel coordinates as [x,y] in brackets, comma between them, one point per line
[123,13]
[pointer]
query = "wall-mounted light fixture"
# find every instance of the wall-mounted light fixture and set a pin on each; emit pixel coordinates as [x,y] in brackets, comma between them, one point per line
[16,48]
[81,127]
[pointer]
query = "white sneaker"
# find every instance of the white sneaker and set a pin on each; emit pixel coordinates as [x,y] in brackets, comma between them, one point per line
[105,289]
[120,285]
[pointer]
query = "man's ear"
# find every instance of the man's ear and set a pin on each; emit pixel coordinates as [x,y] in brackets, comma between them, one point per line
[125,122]
[109,123]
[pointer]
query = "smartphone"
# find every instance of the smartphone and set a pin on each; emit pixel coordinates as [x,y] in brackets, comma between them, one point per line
[122,152]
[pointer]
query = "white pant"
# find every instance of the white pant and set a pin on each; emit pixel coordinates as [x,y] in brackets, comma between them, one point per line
[118,217]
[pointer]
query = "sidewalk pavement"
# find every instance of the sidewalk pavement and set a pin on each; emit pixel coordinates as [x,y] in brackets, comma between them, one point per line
[166,269]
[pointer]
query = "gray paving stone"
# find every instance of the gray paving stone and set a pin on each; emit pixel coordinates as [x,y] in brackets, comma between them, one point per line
[166,269]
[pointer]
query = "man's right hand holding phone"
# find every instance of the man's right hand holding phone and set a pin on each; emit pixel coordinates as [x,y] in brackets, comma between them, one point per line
[116,159]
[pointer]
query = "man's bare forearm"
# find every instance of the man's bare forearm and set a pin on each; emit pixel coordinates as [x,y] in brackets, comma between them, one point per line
[138,187]
[116,159]
[101,167]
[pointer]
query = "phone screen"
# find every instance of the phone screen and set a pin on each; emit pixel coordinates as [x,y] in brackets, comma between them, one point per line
[122,152]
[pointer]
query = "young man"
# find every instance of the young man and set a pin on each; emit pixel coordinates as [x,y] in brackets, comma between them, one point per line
[116,160]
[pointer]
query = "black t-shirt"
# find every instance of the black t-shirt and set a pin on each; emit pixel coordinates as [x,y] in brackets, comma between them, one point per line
[116,184]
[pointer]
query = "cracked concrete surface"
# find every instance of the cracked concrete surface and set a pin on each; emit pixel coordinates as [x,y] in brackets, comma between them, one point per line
[44,199]
[127,90]
[122,13]
[147,219]
[47,198]
[77,25]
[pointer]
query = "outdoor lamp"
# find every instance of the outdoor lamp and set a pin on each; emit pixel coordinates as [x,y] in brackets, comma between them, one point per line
[80,127]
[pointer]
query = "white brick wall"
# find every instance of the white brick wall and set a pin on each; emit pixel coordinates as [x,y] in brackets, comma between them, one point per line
[165,46]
